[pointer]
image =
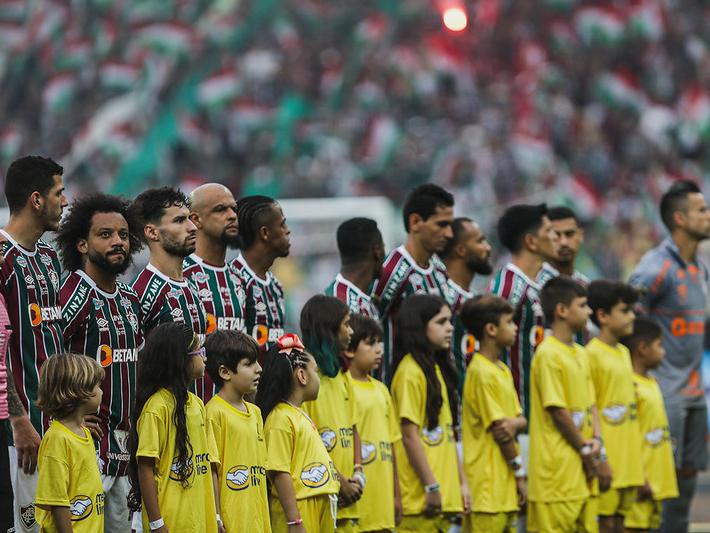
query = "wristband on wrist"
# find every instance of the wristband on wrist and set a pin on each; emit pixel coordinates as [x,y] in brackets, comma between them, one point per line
[602,455]
[156,524]
[219,520]
[296,522]
[585,450]
[360,478]
[520,472]
[434,487]
[356,467]
[516,463]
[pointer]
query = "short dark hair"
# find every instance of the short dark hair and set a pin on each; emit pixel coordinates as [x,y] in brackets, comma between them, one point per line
[77,224]
[252,213]
[562,212]
[424,201]
[364,329]
[645,330]
[605,294]
[481,310]
[676,199]
[559,290]
[228,348]
[518,221]
[457,229]
[356,239]
[27,175]
[150,205]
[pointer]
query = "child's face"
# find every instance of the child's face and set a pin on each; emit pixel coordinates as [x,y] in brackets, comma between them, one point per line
[92,403]
[345,332]
[506,330]
[245,380]
[652,353]
[368,355]
[439,329]
[310,380]
[620,320]
[197,362]
[578,313]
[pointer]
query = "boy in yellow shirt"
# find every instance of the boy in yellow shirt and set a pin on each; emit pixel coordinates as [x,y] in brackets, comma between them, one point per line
[492,418]
[380,506]
[612,375]
[238,431]
[647,352]
[564,446]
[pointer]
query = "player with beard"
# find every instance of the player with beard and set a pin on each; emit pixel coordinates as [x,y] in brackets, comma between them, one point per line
[265,237]
[214,213]
[29,281]
[165,294]
[361,252]
[414,268]
[468,253]
[101,317]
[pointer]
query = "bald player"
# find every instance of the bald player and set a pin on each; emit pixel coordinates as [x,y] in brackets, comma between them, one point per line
[214,213]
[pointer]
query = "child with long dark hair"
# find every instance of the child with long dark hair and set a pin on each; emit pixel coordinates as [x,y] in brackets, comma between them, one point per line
[173,465]
[325,324]
[304,483]
[424,389]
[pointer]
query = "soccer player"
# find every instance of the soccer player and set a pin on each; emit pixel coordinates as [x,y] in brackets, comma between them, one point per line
[265,237]
[563,443]
[570,233]
[29,281]
[361,253]
[468,253]
[612,375]
[527,233]
[413,268]
[675,295]
[101,317]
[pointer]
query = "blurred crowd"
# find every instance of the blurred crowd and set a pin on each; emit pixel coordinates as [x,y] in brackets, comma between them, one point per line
[596,104]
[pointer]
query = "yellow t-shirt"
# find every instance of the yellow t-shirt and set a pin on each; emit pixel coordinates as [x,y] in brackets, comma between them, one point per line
[69,477]
[409,395]
[560,377]
[293,445]
[657,450]
[334,413]
[613,380]
[488,395]
[243,498]
[184,509]
[379,429]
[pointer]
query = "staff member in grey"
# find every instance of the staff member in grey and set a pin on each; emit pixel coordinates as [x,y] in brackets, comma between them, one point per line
[674,284]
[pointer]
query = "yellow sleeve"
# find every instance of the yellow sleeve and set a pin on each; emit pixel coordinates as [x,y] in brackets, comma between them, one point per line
[410,397]
[279,449]
[151,435]
[551,386]
[213,423]
[486,402]
[595,371]
[212,449]
[53,481]
[354,407]
[395,426]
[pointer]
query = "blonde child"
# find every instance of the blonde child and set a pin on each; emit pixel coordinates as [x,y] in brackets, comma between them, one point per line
[174,459]
[238,430]
[70,495]
[612,374]
[303,479]
[381,504]
[647,352]
[424,389]
[492,419]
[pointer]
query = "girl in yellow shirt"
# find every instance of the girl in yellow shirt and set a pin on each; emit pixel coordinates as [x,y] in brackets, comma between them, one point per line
[174,458]
[304,481]
[424,389]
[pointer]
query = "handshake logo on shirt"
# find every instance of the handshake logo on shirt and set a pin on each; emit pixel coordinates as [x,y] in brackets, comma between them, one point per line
[80,507]
[315,475]
[237,477]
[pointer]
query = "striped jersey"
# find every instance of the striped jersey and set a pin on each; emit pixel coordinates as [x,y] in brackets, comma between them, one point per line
[402,277]
[547,272]
[463,344]
[221,293]
[358,302]
[106,326]
[29,281]
[265,304]
[513,285]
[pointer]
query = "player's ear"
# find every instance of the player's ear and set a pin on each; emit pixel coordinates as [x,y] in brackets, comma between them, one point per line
[529,241]
[35,200]
[302,376]
[414,220]
[490,329]
[561,310]
[264,233]
[82,246]
[224,373]
[151,233]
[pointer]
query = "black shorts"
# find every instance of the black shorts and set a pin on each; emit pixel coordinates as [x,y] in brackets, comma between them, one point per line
[689,430]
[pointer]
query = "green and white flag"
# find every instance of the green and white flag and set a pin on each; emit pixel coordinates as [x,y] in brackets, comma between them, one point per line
[59,93]
[598,26]
[120,76]
[219,89]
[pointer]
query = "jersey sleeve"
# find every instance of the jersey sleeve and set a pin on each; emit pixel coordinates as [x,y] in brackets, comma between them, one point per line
[410,398]
[502,285]
[487,403]
[53,481]
[651,277]
[279,449]
[212,449]
[386,290]
[151,435]
[550,383]
[215,428]
[394,425]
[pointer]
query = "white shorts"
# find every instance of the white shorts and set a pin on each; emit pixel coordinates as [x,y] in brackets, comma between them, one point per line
[116,515]
[24,488]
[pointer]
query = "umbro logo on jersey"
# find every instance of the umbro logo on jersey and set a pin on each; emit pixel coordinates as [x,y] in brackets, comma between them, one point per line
[176,313]
[29,280]
[260,307]
[103,324]
[205,294]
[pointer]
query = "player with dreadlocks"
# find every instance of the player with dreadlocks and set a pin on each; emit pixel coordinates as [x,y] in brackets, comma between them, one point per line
[265,237]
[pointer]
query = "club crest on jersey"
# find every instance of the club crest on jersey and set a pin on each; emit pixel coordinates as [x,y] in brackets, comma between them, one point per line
[45,259]
[368,451]
[329,438]
[54,278]
[201,277]
[23,263]
[315,475]
[80,507]
[27,515]
[237,477]
[126,303]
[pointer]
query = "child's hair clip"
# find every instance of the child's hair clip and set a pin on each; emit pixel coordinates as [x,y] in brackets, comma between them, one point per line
[289,342]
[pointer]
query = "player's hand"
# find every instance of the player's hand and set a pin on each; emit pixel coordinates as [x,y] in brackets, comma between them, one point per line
[645,492]
[27,442]
[93,424]
[221,528]
[503,430]
[596,447]
[522,488]
[605,476]
[397,510]
[432,503]
[350,492]
[297,529]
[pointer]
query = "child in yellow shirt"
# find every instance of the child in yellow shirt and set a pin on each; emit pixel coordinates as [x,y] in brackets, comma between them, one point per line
[70,495]
[174,459]
[609,360]
[238,430]
[647,352]
[381,505]
[564,444]
[424,389]
[492,418]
